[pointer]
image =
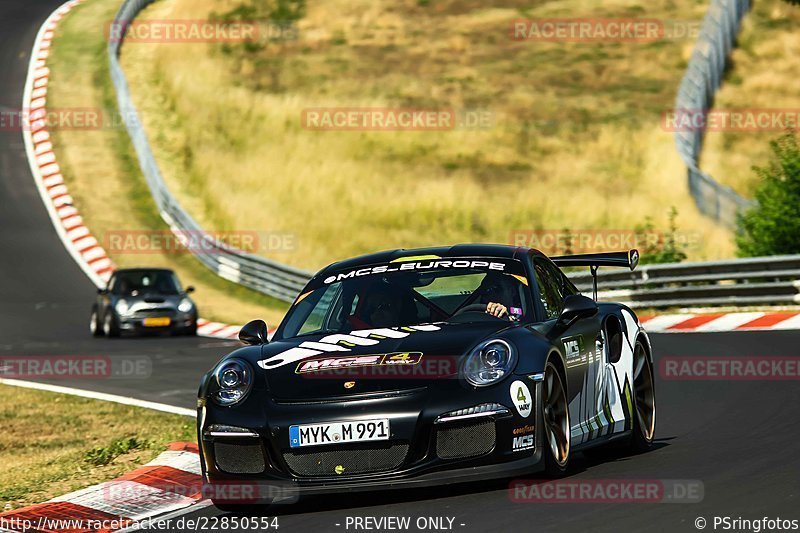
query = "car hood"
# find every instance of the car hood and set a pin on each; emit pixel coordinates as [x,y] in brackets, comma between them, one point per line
[369,361]
[150,300]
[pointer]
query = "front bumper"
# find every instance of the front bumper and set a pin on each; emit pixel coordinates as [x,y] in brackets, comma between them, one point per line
[179,321]
[412,415]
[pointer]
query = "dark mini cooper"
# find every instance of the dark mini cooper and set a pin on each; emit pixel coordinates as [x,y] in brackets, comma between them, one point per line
[418,367]
[139,300]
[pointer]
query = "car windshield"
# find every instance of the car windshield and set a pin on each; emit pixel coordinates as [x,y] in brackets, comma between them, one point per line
[145,281]
[411,292]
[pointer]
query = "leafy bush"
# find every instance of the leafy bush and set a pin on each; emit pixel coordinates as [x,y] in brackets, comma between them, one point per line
[772,227]
[667,249]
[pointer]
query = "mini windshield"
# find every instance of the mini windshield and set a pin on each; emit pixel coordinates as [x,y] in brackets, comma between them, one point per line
[410,293]
[135,282]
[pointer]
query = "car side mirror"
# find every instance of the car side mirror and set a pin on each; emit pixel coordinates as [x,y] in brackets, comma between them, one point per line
[254,333]
[577,306]
[189,289]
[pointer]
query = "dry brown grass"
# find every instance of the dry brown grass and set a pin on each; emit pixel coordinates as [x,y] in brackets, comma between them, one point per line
[577,141]
[46,438]
[103,176]
[763,76]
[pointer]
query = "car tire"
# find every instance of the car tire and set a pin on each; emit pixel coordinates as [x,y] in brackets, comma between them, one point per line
[644,401]
[110,325]
[556,424]
[191,331]
[95,327]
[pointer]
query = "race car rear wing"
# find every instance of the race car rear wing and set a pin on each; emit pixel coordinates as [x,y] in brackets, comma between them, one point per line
[627,259]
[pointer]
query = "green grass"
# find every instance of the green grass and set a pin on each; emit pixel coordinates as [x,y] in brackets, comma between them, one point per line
[52,444]
[106,454]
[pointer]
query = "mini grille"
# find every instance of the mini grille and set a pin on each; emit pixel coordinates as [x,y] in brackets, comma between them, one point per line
[155,312]
[347,461]
[239,458]
[465,440]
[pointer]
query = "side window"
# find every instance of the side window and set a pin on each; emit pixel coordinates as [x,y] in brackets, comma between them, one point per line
[567,288]
[314,310]
[554,287]
[548,291]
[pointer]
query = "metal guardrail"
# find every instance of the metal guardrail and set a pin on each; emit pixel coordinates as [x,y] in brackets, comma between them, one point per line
[756,281]
[696,94]
[269,277]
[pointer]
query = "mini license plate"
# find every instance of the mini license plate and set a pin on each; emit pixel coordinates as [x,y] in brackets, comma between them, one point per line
[157,322]
[338,432]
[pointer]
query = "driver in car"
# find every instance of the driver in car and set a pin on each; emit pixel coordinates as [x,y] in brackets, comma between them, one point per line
[383,306]
[499,293]
[382,309]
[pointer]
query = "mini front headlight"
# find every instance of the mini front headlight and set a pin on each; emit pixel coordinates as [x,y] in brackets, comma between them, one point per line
[234,378]
[489,362]
[185,306]
[121,307]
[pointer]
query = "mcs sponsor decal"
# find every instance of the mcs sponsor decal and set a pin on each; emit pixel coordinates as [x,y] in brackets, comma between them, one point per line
[336,363]
[421,265]
[573,346]
[341,342]
[522,443]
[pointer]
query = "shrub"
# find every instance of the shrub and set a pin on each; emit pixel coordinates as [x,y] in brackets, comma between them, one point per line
[772,227]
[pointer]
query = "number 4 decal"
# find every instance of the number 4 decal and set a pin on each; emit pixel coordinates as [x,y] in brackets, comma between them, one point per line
[520,395]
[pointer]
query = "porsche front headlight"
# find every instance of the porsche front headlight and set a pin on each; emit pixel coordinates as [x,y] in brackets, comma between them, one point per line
[234,379]
[489,363]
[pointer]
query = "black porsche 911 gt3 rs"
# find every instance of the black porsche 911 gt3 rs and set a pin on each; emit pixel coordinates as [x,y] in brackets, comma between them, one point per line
[420,367]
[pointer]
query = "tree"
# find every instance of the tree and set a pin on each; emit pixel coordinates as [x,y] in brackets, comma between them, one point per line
[772,227]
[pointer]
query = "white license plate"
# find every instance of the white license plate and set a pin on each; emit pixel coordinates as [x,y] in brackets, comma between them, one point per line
[338,432]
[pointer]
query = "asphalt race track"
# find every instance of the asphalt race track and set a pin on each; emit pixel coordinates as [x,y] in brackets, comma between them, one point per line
[45,298]
[740,439]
